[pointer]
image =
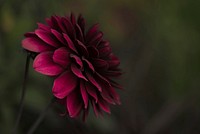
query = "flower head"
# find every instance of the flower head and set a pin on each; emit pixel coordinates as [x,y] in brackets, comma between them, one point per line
[81,62]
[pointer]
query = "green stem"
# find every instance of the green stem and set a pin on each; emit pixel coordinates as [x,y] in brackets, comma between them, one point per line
[40,118]
[21,107]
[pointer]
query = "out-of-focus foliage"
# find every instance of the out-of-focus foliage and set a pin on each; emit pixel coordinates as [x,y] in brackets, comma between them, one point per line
[158,43]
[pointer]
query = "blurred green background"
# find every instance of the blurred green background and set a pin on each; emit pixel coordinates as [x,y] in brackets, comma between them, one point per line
[157,43]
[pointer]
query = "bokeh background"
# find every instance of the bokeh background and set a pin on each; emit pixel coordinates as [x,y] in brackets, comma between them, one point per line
[158,43]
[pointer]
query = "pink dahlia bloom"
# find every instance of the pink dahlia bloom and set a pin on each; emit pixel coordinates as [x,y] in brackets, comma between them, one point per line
[82,64]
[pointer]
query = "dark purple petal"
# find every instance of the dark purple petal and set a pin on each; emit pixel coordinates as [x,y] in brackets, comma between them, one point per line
[104,49]
[100,63]
[70,43]
[102,79]
[91,91]
[77,60]
[77,72]
[81,23]
[114,95]
[73,19]
[93,52]
[104,52]
[74,104]
[69,27]
[96,39]
[58,36]
[49,22]
[95,109]
[115,84]
[93,30]
[82,48]
[35,45]
[64,84]
[30,34]
[89,64]
[79,33]
[44,27]
[84,94]
[104,105]
[44,64]
[53,23]
[61,24]
[93,81]
[103,44]
[113,63]
[47,37]
[107,97]
[113,73]
[61,56]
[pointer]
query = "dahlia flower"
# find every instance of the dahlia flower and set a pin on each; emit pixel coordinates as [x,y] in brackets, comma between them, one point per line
[81,62]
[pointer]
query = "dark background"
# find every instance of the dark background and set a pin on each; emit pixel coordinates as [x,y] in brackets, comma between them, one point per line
[158,43]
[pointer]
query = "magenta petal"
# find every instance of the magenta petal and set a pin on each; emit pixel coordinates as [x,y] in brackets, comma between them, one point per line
[64,84]
[60,24]
[103,79]
[79,33]
[61,56]
[81,22]
[113,63]
[44,64]
[84,94]
[89,64]
[58,36]
[47,37]
[104,52]
[104,106]
[69,28]
[77,60]
[73,19]
[93,81]
[49,22]
[96,39]
[115,84]
[91,91]
[30,34]
[95,109]
[114,95]
[35,45]
[43,27]
[70,43]
[74,104]
[106,96]
[77,72]
[93,30]
[93,51]
[82,48]
[100,63]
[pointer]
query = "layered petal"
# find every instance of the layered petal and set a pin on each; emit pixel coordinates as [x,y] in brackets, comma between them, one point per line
[74,104]
[64,84]
[91,91]
[34,44]
[93,81]
[47,37]
[44,64]
[84,94]
[61,56]
[70,44]
[77,71]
